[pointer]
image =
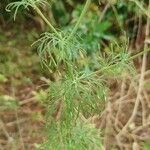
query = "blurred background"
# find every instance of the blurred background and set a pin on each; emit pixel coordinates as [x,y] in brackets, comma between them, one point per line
[23,81]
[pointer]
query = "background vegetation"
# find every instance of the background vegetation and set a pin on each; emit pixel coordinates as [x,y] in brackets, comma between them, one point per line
[74,88]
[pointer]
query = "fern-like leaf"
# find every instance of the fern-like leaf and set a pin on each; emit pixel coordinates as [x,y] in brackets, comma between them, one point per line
[24,3]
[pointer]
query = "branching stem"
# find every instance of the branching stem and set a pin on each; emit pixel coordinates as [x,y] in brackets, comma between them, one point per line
[46,21]
[139,54]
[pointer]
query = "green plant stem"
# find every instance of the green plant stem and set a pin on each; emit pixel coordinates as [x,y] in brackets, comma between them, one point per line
[117,18]
[139,54]
[141,7]
[47,22]
[109,67]
[87,4]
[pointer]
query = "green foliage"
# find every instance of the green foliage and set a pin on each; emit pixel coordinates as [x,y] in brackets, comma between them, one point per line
[41,96]
[92,30]
[82,91]
[26,4]
[81,136]
[53,50]
[80,88]
[117,61]
[60,13]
